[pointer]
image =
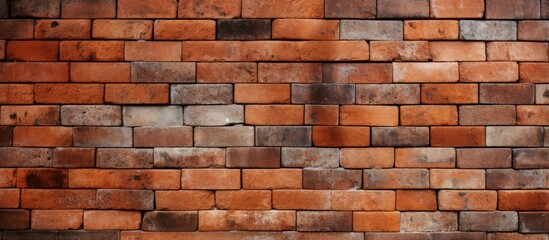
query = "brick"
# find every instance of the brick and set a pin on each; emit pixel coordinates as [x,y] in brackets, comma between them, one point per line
[124,158]
[532,115]
[218,220]
[33,51]
[416,200]
[376,221]
[157,72]
[16,28]
[431,30]
[88,9]
[29,115]
[488,30]
[487,115]
[458,136]
[236,136]
[457,179]
[523,200]
[530,158]
[282,9]
[244,234]
[147,9]
[115,220]
[56,219]
[214,115]
[457,8]
[232,51]
[137,93]
[73,157]
[331,221]
[42,136]
[388,94]
[25,157]
[17,235]
[488,72]
[423,221]
[201,94]
[399,51]
[368,115]
[209,9]
[102,137]
[122,29]
[367,157]
[334,200]
[33,72]
[57,199]
[283,136]
[210,179]
[14,219]
[337,179]
[516,179]
[89,235]
[357,73]
[341,136]
[425,72]
[6,136]
[193,199]
[184,30]
[253,157]
[91,115]
[302,199]
[124,179]
[350,9]
[403,9]
[35,8]
[4,13]
[170,221]
[286,178]
[65,29]
[274,114]
[226,72]
[91,51]
[243,29]
[400,136]
[10,197]
[152,51]
[323,93]
[534,72]
[153,116]
[243,200]
[41,178]
[483,158]
[469,200]
[542,94]
[395,178]
[189,157]
[488,221]
[517,51]
[372,30]
[425,157]
[100,72]
[321,114]
[533,30]
[260,93]
[424,235]
[457,51]
[422,115]
[316,29]
[544,9]
[69,93]
[2,49]
[533,222]
[449,93]
[516,236]
[514,136]
[310,157]
[125,199]
[508,9]
[8,177]
[289,72]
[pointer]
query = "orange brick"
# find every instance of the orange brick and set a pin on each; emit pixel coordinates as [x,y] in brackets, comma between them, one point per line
[416,200]
[217,220]
[283,9]
[518,51]
[426,115]
[100,72]
[425,157]
[88,9]
[147,9]
[122,29]
[449,93]
[33,51]
[376,221]
[210,179]
[56,219]
[357,73]
[290,72]
[367,157]
[126,179]
[9,198]
[69,93]
[285,178]
[321,114]
[58,199]
[193,199]
[274,114]
[17,93]
[184,30]
[399,51]
[457,51]
[209,8]
[533,115]
[534,72]
[29,115]
[8,177]
[477,200]
[116,220]
[425,72]
[226,72]
[368,115]
[91,51]
[62,29]
[34,72]
[457,179]
[457,8]
[42,136]
[42,178]
[243,199]
[488,72]
[431,30]
[458,136]
[523,200]
[262,93]
[341,136]
[153,51]
[315,29]
[137,93]
[302,199]
[533,30]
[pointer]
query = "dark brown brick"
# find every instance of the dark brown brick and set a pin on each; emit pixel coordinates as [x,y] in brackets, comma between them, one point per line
[189,157]
[253,157]
[323,93]
[172,72]
[190,94]
[350,8]
[124,158]
[388,93]
[531,158]
[14,219]
[4,9]
[545,9]
[177,221]
[73,157]
[516,179]
[89,235]
[512,9]
[484,158]
[283,136]
[31,235]
[402,8]
[125,199]
[243,29]
[400,136]
[332,179]
[523,93]
[496,221]
[534,222]
[42,178]
[88,8]
[35,8]
[16,28]
[6,134]
[325,221]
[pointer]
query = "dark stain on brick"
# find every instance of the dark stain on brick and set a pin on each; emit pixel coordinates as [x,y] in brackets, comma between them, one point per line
[46,178]
[54,24]
[170,221]
[244,29]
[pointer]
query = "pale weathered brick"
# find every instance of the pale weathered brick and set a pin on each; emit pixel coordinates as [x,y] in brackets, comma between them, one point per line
[201,94]
[189,157]
[387,93]
[516,179]
[516,136]
[152,116]
[214,115]
[310,157]
[423,221]
[157,72]
[488,30]
[372,30]
[237,136]
[91,115]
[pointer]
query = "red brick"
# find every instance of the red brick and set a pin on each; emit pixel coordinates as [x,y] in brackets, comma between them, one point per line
[41,178]
[283,9]
[458,136]
[124,179]
[91,51]
[137,93]
[517,51]
[274,114]
[253,157]
[9,198]
[125,199]
[484,158]
[34,72]
[226,72]
[42,136]
[507,93]
[534,72]
[350,9]
[102,137]
[147,8]
[423,115]
[403,9]
[69,93]
[425,72]
[100,72]
[25,157]
[488,72]
[431,30]
[396,178]
[33,51]
[316,29]
[193,199]
[423,222]
[449,93]
[88,9]
[357,73]
[324,221]
[286,178]
[243,200]
[487,115]
[153,51]
[62,29]
[57,199]
[184,30]
[367,157]
[332,179]
[457,51]
[29,115]
[115,220]
[235,136]
[16,28]
[262,93]
[376,221]
[425,157]
[35,8]
[476,200]
[523,200]
[210,179]
[321,114]
[56,219]
[416,200]
[457,179]
[457,8]
[209,8]
[122,29]
[290,72]
[334,200]
[512,9]
[533,30]
[124,158]
[218,220]
[73,157]
[368,115]
[14,219]
[170,221]
[532,115]
[399,51]
[8,177]
[341,136]
[189,157]
[163,136]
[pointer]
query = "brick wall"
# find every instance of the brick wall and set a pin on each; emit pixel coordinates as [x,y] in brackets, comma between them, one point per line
[274,119]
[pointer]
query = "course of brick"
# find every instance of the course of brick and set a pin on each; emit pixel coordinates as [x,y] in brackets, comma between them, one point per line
[274,119]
